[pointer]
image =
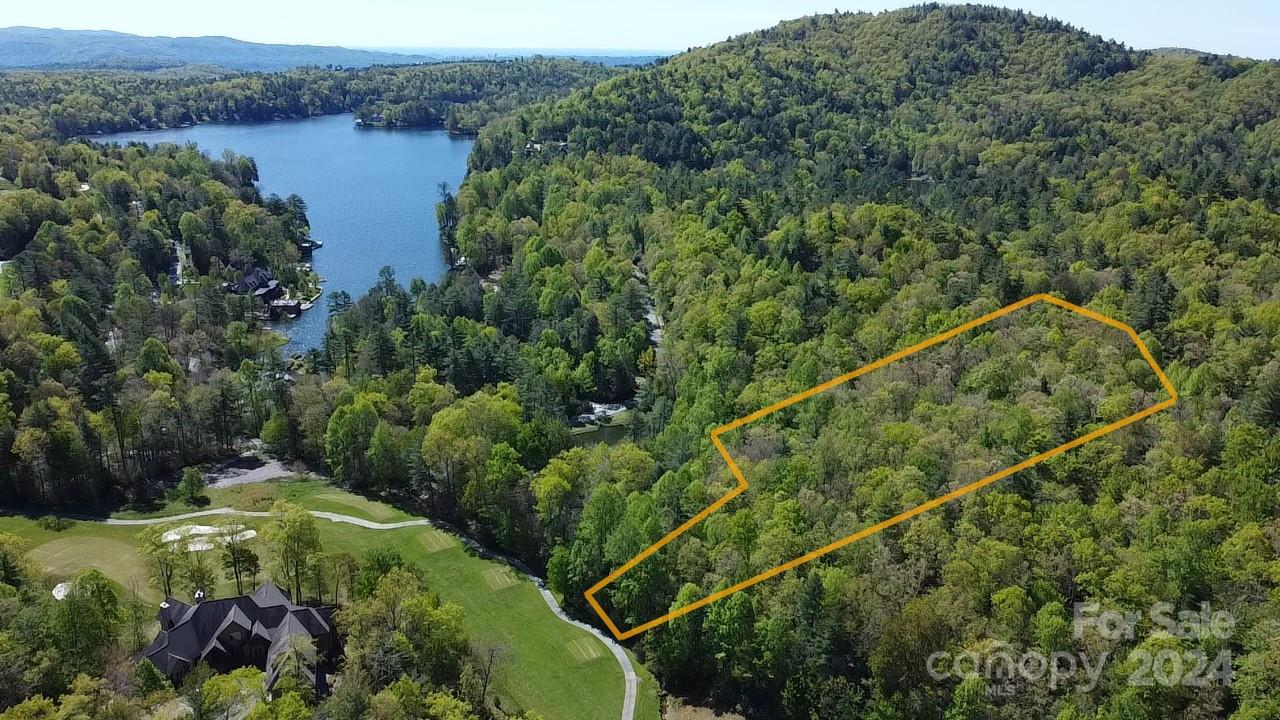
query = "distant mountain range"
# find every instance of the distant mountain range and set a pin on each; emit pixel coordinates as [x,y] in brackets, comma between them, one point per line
[40,48]
[609,57]
[27,47]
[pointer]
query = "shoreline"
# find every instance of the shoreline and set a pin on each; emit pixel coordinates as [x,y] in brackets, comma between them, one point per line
[98,135]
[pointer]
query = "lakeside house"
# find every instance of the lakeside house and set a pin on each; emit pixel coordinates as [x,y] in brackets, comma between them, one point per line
[245,631]
[260,283]
[286,307]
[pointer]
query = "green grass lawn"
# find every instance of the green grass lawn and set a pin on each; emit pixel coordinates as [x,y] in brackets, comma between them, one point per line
[84,546]
[558,670]
[311,493]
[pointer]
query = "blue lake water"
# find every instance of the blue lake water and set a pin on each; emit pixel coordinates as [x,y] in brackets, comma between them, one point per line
[370,195]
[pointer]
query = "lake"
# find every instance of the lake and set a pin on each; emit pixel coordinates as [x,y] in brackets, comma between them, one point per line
[370,195]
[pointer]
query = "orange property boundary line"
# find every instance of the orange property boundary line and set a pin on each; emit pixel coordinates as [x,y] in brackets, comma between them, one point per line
[906,515]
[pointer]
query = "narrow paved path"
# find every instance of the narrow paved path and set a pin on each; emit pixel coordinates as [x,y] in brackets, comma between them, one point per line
[619,654]
[628,672]
[335,517]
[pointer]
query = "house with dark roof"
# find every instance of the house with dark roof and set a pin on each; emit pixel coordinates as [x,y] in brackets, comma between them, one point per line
[249,630]
[260,283]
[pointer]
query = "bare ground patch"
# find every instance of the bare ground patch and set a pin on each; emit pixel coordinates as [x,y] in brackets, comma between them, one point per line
[676,710]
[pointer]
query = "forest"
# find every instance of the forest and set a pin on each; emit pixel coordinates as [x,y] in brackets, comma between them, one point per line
[115,368]
[794,202]
[460,96]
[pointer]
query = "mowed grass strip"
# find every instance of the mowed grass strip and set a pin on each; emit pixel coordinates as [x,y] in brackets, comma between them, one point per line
[368,509]
[500,578]
[585,649]
[110,549]
[308,492]
[433,541]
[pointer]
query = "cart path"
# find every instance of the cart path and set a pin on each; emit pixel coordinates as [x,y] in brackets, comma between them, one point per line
[619,654]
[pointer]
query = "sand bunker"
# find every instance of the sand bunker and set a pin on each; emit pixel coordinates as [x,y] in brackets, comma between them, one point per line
[206,537]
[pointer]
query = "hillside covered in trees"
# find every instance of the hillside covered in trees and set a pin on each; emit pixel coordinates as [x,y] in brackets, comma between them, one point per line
[805,199]
[797,202]
[460,96]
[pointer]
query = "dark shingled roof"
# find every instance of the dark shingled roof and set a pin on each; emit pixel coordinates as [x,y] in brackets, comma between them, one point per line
[291,627]
[236,632]
[255,279]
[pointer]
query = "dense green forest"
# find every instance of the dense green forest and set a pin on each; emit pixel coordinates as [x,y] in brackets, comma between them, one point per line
[115,369]
[801,201]
[111,371]
[796,202]
[460,96]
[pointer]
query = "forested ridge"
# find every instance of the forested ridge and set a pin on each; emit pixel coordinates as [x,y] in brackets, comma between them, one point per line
[808,198]
[460,96]
[799,201]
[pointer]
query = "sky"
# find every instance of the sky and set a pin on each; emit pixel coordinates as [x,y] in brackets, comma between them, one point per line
[1241,27]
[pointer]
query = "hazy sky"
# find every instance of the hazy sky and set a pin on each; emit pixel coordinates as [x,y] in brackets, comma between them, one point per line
[1243,27]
